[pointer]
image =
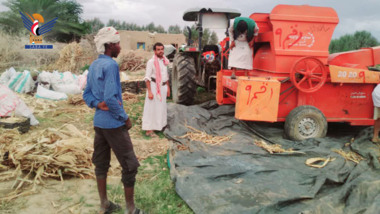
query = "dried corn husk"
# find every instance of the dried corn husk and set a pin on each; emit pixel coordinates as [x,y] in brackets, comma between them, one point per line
[274,148]
[131,62]
[350,155]
[76,100]
[313,162]
[201,136]
[50,153]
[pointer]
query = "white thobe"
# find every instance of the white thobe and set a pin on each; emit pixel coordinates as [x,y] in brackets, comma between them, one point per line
[155,110]
[241,56]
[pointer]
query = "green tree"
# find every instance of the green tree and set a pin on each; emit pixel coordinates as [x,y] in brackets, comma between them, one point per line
[95,25]
[208,38]
[213,38]
[174,29]
[160,29]
[69,25]
[150,27]
[359,39]
[114,23]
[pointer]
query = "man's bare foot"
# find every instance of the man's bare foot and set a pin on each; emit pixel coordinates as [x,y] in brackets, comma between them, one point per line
[376,140]
[150,133]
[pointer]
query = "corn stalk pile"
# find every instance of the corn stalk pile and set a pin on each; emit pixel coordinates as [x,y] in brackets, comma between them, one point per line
[131,62]
[69,58]
[51,153]
[76,99]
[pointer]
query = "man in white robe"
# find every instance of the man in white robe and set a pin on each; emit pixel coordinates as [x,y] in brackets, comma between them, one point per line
[157,82]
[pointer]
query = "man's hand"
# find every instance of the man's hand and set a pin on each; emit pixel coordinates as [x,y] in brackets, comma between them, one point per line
[150,95]
[251,43]
[103,106]
[128,124]
[232,45]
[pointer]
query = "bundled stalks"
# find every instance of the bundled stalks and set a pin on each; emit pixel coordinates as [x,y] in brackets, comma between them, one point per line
[351,156]
[131,62]
[197,135]
[51,153]
[274,148]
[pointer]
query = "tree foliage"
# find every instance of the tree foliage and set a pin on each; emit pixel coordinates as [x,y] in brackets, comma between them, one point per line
[119,25]
[208,38]
[359,39]
[68,27]
[174,29]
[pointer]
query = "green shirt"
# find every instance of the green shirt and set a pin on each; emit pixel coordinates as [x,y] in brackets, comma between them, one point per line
[250,23]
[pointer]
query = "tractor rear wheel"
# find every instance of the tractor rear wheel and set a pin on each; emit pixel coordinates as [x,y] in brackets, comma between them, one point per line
[305,122]
[183,79]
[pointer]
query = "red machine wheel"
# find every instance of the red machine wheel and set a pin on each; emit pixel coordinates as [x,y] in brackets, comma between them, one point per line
[308,74]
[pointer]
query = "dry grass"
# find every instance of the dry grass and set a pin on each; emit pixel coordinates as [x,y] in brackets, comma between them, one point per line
[351,156]
[130,97]
[76,99]
[14,54]
[201,136]
[274,148]
[50,153]
[130,62]
[63,57]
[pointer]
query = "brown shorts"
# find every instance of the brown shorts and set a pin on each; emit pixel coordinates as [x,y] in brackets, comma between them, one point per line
[119,141]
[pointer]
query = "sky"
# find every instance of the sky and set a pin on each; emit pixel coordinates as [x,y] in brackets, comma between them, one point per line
[354,15]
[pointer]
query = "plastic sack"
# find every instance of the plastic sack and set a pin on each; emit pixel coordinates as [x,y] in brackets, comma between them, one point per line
[25,83]
[44,79]
[14,80]
[10,102]
[67,88]
[82,80]
[49,94]
[65,82]
[6,76]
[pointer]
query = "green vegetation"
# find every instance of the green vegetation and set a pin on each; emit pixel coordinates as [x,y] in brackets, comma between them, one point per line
[208,38]
[154,191]
[69,25]
[360,39]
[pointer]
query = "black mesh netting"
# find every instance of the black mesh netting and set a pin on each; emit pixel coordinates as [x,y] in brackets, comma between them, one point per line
[239,177]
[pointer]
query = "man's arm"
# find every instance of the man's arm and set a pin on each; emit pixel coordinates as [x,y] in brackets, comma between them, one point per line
[88,97]
[167,83]
[147,78]
[111,91]
[91,100]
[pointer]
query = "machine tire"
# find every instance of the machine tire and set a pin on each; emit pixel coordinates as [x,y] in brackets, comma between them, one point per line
[183,79]
[302,118]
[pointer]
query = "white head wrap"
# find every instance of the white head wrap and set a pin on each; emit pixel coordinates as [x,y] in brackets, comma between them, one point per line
[106,35]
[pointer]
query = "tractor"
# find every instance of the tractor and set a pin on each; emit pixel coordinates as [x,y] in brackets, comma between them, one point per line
[196,64]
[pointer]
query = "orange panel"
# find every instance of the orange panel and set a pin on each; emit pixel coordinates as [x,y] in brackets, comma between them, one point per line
[352,75]
[219,87]
[257,99]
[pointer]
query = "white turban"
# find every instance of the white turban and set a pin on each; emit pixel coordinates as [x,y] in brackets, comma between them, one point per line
[106,35]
